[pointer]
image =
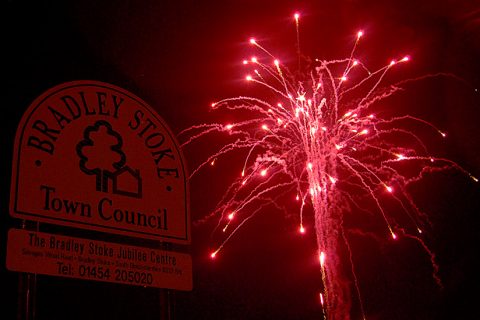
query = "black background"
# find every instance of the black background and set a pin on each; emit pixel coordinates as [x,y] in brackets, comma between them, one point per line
[179,56]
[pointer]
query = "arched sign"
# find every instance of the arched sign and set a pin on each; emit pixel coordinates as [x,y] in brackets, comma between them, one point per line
[94,156]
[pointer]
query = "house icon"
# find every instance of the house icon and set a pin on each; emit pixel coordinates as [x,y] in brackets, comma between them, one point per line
[127,182]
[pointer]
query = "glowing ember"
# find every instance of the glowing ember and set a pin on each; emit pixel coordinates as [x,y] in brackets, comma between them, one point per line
[322,259]
[302,229]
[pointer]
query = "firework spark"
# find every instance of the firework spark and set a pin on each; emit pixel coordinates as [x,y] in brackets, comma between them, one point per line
[318,141]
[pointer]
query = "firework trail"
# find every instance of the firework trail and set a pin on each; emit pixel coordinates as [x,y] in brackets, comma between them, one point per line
[316,139]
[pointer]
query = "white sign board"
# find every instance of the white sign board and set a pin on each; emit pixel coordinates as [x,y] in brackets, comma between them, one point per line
[92,155]
[55,255]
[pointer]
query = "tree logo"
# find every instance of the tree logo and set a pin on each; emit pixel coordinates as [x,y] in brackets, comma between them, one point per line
[101,155]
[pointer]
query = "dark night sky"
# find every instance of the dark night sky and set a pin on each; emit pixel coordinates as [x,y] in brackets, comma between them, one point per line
[179,56]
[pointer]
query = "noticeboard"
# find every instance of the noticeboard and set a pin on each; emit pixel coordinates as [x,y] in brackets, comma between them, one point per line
[64,256]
